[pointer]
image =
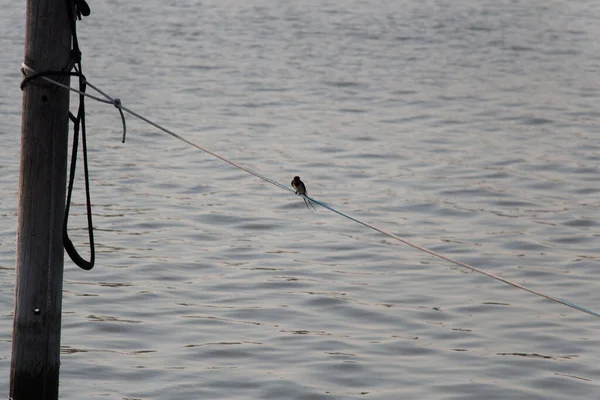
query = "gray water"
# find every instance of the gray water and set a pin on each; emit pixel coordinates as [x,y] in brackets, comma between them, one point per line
[469,127]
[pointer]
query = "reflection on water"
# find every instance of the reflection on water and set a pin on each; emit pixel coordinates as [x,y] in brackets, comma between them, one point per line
[467,128]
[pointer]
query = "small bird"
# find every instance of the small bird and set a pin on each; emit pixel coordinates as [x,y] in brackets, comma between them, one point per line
[301,191]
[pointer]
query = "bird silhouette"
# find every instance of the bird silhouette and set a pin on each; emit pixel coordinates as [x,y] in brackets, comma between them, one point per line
[301,191]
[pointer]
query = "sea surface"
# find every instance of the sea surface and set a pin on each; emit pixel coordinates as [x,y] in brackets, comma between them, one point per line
[468,127]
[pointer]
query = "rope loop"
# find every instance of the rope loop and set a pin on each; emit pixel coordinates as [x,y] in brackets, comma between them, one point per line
[123,122]
[117,103]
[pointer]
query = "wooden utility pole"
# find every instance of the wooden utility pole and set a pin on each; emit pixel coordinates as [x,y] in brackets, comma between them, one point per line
[44,137]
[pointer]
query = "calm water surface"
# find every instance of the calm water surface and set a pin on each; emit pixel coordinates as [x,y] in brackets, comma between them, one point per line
[470,127]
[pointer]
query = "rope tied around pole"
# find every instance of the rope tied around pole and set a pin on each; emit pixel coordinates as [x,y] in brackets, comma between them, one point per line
[31,75]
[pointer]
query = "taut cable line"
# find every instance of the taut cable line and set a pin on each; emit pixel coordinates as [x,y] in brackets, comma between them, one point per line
[117,103]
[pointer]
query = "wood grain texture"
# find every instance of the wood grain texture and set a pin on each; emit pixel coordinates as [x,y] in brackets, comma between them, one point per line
[44,137]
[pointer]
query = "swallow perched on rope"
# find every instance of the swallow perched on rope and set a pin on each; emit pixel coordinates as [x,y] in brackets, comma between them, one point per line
[301,191]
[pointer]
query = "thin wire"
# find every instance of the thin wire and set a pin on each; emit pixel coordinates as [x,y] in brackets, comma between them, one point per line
[110,100]
[460,263]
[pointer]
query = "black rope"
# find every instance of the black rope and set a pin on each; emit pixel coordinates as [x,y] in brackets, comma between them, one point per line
[79,122]
[81,8]
[76,9]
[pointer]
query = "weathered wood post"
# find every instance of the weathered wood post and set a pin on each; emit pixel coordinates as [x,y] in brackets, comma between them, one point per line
[44,137]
